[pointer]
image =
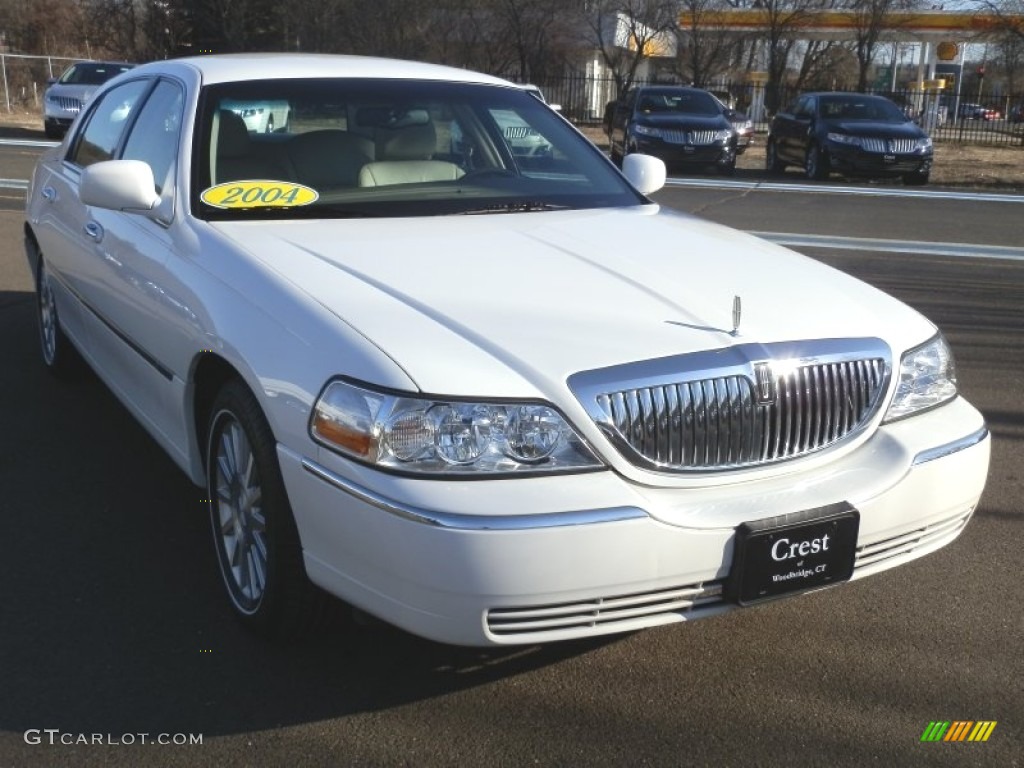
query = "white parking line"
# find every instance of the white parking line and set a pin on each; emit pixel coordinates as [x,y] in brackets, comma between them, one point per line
[922,248]
[27,143]
[839,189]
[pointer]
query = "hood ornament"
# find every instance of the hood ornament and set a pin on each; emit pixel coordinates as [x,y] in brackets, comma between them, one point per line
[737,314]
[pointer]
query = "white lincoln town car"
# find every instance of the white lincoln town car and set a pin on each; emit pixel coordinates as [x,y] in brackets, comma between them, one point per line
[439,380]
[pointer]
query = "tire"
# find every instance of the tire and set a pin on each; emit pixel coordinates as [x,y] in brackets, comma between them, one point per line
[729,169]
[52,131]
[771,159]
[59,356]
[915,179]
[254,535]
[816,164]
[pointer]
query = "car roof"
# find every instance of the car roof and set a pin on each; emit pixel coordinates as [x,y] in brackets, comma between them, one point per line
[225,68]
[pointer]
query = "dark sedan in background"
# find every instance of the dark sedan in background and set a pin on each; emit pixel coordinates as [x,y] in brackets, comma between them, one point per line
[850,133]
[680,125]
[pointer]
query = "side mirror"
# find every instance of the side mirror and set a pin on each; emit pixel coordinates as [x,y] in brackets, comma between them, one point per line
[119,185]
[644,172]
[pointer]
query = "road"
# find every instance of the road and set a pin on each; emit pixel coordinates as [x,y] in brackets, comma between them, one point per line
[113,624]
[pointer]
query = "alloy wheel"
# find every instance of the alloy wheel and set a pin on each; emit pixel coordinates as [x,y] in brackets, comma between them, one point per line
[239,522]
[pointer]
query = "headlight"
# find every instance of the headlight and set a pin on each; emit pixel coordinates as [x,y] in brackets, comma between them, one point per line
[446,437]
[842,138]
[646,130]
[927,378]
[745,127]
[925,143]
[723,135]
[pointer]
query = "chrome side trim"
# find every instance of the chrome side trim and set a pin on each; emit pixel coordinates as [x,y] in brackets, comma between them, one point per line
[462,522]
[949,448]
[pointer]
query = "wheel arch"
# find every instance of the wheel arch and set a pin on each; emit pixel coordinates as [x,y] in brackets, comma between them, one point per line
[210,372]
[33,253]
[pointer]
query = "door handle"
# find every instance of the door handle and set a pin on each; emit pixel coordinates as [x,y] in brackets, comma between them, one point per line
[93,231]
[49,194]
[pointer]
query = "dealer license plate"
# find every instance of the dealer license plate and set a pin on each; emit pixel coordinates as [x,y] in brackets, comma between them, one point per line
[793,553]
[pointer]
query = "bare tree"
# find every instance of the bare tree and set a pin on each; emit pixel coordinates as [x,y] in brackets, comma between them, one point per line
[705,48]
[627,32]
[1008,13]
[872,19]
[44,27]
[782,19]
[537,31]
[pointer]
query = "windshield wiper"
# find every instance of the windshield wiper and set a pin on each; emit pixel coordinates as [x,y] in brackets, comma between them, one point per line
[293,212]
[520,206]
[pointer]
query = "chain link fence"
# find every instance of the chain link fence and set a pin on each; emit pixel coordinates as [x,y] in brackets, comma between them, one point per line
[25,78]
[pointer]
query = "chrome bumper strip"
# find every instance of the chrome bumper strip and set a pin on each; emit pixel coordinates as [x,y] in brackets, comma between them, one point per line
[949,448]
[464,522]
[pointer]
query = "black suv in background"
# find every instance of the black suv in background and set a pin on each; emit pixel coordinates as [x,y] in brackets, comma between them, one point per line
[681,125]
[849,133]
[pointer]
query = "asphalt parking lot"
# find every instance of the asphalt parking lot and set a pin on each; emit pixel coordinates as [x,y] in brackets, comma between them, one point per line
[113,624]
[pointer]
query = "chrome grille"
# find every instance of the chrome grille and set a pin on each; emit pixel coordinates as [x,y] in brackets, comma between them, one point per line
[907,543]
[549,622]
[697,138]
[518,132]
[709,411]
[68,103]
[889,145]
[701,138]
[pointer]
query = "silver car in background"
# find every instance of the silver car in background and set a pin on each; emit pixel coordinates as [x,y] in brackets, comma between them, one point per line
[66,95]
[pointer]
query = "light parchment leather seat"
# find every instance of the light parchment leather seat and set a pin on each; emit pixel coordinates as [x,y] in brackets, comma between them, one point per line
[406,158]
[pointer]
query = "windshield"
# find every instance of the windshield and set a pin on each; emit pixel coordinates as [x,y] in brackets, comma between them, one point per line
[92,74]
[349,147]
[861,108]
[679,101]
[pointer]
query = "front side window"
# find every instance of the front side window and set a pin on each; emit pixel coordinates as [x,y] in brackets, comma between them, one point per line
[154,137]
[679,102]
[106,123]
[355,147]
[859,107]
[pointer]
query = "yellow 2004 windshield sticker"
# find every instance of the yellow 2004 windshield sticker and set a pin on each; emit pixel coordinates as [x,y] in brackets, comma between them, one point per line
[258,193]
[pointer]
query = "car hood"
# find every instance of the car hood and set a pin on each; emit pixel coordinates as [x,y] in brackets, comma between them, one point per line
[872,129]
[80,92]
[511,305]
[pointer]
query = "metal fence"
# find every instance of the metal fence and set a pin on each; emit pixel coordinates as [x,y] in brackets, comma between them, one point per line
[24,77]
[582,98]
[989,120]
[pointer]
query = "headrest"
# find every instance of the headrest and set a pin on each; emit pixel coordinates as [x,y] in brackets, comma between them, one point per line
[232,136]
[413,142]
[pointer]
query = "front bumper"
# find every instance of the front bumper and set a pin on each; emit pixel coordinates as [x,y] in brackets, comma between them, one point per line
[553,558]
[856,161]
[686,154]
